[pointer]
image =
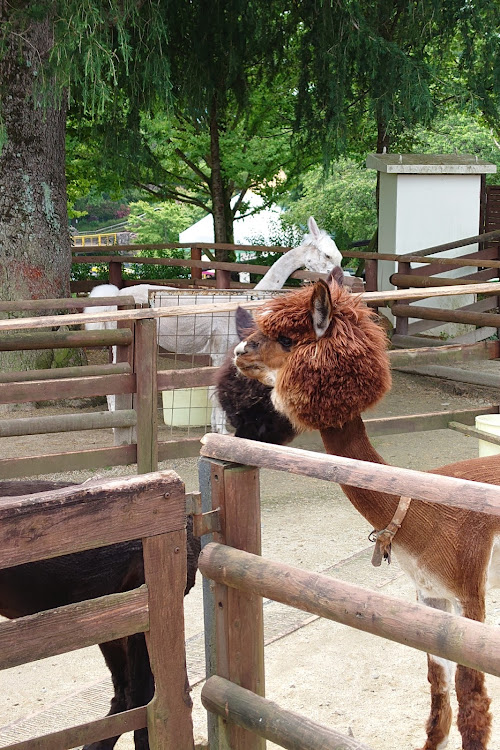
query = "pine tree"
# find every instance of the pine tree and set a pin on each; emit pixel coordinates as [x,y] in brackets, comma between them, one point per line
[371,71]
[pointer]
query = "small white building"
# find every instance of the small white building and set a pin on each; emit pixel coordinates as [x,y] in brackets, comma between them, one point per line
[247,230]
[427,200]
[255,229]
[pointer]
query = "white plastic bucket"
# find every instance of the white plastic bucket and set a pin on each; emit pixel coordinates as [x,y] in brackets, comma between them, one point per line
[187,407]
[488,423]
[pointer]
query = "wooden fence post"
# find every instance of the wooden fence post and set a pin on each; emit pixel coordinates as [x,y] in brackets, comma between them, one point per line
[371,275]
[125,435]
[115,273]
[234,623]
[222,279]
[146,395]
[169,713]
[401,324]
[196,255]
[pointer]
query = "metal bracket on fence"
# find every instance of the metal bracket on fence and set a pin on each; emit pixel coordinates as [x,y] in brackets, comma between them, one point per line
[203,523]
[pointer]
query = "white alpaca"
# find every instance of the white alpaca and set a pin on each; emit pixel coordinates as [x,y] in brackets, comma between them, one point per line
[215,334]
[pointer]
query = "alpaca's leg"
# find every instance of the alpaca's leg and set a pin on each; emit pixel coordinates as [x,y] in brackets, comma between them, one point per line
[115,655]
[440,676]
[141,683]
[474,718]
[218,415]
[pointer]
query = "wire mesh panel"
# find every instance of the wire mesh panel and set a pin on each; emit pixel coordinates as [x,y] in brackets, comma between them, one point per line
[196,341]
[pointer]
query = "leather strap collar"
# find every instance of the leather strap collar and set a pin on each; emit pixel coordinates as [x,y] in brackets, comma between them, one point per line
[383,539]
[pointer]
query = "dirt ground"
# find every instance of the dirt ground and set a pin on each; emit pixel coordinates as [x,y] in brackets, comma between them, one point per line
[356,683]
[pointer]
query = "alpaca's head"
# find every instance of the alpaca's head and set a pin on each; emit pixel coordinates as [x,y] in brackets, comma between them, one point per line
[322,351]
[321,254]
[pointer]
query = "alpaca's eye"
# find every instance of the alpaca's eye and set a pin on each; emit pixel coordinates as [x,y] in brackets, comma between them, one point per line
[285,342]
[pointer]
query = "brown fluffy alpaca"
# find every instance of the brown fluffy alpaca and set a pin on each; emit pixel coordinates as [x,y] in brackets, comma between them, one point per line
[326,358]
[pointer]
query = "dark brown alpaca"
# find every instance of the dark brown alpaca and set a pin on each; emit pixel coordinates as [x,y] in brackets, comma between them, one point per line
[247,403]
[326,358]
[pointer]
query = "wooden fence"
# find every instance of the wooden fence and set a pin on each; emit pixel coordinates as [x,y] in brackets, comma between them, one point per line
[136,381]
[236,578]
[411,321]
[151,508]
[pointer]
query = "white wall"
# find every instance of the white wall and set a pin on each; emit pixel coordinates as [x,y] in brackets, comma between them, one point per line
[422,210]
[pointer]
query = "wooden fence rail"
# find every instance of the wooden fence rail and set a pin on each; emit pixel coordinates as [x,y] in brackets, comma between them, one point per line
[449,636]
[134,374]
[236,579]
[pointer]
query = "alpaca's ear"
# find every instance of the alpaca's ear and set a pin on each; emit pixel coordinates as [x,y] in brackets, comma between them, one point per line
[245,324]
[313,227]
[321,308]
[336,276]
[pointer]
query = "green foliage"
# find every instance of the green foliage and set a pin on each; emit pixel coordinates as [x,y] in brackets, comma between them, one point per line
[371,71]
[462,134]
[160,222]
[150,271]
[100,49]
[84,271]
[343,203]
[155,224]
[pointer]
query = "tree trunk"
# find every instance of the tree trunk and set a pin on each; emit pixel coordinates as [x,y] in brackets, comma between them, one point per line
[383,137]
[221,198]
[35,249]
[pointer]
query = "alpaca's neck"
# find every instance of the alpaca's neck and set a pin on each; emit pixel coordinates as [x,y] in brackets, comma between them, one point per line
[280,270]
[352,442]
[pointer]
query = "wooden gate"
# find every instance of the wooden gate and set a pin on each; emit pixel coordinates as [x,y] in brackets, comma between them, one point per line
[151,507]
[236,579]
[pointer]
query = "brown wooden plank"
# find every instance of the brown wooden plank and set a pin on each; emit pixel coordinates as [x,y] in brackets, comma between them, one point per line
[486,379]
[57,631]
[146,395]
[407,280]
[82,734]
[83,371]
[78,251]
[189,263]
[89,516]
[47,390]
[484,350]
[169,713]
[53,463]
[244,621]
[63,339]
[476,496]
[439,420]
[67,423]
[186,310]
[452,316]
[445,264]
[190,378]
[267,720]
[473,432]
[70,303]
[481,305]
[440,266]
[414,342]
[458,639]
[185,448]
